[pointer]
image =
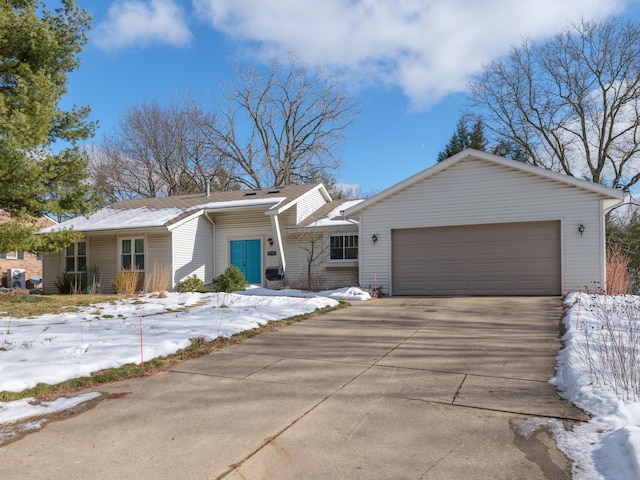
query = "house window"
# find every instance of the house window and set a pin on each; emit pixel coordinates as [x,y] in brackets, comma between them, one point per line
[12,255]
[343,247]
[75,259]
[132,253]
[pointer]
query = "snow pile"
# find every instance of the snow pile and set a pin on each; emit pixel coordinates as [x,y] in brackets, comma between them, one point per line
[347,293]
[608,446]
[27,407]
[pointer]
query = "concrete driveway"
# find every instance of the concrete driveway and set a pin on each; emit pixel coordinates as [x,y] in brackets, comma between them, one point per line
[397,388]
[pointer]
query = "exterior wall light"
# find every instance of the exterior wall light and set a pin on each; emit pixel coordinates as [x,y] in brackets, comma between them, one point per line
[374,237]
[270,240]
[581,229]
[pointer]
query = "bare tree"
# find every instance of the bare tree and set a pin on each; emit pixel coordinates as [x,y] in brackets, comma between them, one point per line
[571,103]
[158,151]
[316,250]
[282,128]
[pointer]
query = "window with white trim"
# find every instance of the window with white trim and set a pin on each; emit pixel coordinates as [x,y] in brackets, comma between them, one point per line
[343,247]
[75,259]
[132,253]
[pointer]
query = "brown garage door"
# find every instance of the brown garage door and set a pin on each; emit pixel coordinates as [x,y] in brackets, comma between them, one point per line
[496,259]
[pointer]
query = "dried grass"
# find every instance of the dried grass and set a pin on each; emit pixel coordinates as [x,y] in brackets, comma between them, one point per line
[126,282]
[159,280]
[611,346]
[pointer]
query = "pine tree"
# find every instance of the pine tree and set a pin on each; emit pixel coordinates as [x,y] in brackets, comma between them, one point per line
[38,48]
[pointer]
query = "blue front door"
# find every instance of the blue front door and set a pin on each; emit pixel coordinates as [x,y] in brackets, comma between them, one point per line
[245,254]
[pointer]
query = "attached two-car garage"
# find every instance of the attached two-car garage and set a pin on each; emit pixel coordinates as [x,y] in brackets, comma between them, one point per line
[496,259]
[479,224]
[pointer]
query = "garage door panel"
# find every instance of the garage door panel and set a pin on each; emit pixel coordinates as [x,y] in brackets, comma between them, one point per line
[488,268]
[490,249]
[497,259]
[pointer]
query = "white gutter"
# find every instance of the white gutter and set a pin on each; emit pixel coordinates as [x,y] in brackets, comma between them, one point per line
[213,245]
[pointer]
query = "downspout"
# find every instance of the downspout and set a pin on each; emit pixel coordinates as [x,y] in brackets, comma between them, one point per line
[213,245]
[275,226]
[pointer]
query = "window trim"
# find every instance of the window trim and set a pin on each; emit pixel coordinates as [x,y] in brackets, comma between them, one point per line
[12,255]
[132,254]
[75,257]
[344,248]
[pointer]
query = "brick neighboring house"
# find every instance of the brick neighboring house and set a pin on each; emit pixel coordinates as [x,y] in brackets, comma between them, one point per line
[30,263]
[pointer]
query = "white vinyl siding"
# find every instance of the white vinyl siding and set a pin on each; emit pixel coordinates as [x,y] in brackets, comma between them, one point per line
[245,225]
[51,269]
[192,251]
[308,204]
[159,254]
[102,256]
[335,274]
[475,191]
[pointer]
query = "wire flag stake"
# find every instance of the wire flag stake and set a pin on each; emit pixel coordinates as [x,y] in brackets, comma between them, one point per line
[141,354]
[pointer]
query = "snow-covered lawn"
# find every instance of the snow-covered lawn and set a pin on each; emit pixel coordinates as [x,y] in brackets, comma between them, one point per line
[608,446]
[54,348]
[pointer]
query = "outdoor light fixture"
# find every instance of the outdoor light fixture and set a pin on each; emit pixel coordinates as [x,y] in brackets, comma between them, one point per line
[270,240]
[374,237]
[581,229]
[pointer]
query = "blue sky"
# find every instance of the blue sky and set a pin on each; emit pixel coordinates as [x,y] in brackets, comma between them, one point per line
[407,61]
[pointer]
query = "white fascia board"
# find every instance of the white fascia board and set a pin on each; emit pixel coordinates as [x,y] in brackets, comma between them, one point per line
[343,226]
[286,206]
[185,220]
[610,204]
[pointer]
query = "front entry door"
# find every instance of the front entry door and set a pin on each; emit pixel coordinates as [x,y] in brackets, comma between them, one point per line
[245,254]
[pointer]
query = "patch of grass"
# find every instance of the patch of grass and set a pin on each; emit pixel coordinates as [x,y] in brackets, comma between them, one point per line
[198,348]
[21,306]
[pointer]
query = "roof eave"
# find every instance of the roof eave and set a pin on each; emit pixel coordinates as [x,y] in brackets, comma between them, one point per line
[607,192]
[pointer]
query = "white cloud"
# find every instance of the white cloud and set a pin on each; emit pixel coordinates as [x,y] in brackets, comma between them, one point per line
[427,48]
[140,23]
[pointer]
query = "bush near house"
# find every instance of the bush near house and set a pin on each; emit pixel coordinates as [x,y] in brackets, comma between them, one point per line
[231,280]
[191,284]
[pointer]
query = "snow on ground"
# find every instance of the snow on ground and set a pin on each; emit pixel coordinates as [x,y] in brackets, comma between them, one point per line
[54,348]
[608,446]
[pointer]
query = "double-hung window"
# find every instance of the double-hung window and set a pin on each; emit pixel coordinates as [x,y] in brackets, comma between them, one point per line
[75,259]
[343,247]
[132,254]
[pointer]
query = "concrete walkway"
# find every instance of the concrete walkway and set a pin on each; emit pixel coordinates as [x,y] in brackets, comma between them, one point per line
[401,388]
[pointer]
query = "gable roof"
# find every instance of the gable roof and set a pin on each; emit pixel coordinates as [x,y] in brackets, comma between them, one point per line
[330,215]
[615,196]
[168,212]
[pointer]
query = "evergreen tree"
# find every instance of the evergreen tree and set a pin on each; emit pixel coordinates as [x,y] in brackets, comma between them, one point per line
[464,138]
[38,48]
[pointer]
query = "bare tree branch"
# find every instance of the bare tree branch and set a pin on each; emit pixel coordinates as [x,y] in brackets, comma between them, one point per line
[572,102]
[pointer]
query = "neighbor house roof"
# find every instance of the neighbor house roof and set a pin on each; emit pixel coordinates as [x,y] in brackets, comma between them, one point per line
[614,196]
[41,222]
[167,212]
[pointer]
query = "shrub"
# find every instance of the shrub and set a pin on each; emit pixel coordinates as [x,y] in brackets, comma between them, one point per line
[231,280]
[191,284]
[126,282]
[611,342]
[313,282]
[159,280]
[69,283]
